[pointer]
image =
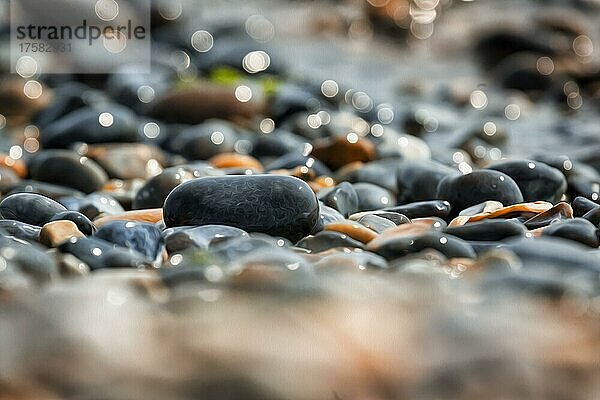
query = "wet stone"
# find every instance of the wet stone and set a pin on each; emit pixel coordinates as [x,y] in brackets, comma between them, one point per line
[577,229]
[381,173]
[353,229]
[296,159]
[582,206]
[397,247]
[488,230]
[342,197]
[326,240]
[56,232]
[30,208]
[204,141]
[98,253]
[201,237]
[55,192]
[372,197]
[560,212]
[69,169]
[127,160]
[375,223]
[96,204]
[420,209]
[467,190]
[152,215]
[234,160]
[418,179]
[338,151]
[84,125]
[156,189]
[396,218]
[286,206]
[485,207]
[343,262]
[593,216]
[536,180]
[327,215]
[20,230]
[142,237]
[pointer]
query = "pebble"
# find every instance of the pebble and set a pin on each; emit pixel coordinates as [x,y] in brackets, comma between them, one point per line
[559,212]
[487,230]
[234,160]
[577,229]
[352,229]
[467,190]
[89,125]
[152,215]
[326,240]
[376,223]
[372,197]
[582,206]
[396,218]
[66,168]
[83,223]
[56,232]
[127,160]
[96,204]
[536,180]
[338,151]
[342,197]
[31,208]
[395,247]
[286,205]
[417,180]
[20,230]
[98,253]
[420,209]
[156,189]
[201,237]
[142,237]
[201,142]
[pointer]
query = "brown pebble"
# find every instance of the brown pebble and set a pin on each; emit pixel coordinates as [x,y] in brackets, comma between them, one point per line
[234,160]
[152,215]
[56,232]
[337,152]
[353,229]
[535,207]
[127,160]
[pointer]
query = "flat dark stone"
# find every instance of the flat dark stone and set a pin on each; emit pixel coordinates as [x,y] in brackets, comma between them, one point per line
[487,230]
[20,230]
[276,205]
[577,229]
[328,240]
[448,245]
[201,237]
[98,253]
[422,209]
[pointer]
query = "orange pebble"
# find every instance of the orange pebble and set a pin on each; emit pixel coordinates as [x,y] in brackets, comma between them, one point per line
[151,215]
[353,229]
[234,160]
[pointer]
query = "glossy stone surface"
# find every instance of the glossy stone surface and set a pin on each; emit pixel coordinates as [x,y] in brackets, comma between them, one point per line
[418,179]
[56,232]
[536,180]
[287,206]
[142,237]
[96,204]
[342,197]
[577,229]
[372,197]
[450,246]
[201,237]
[156,189]
[492,230]
[83,125]
[83,223]
[98,253]
[467,190]
[19,229]
[376,223]
[30,208]
[326,240]
[581,206]
[419,209]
